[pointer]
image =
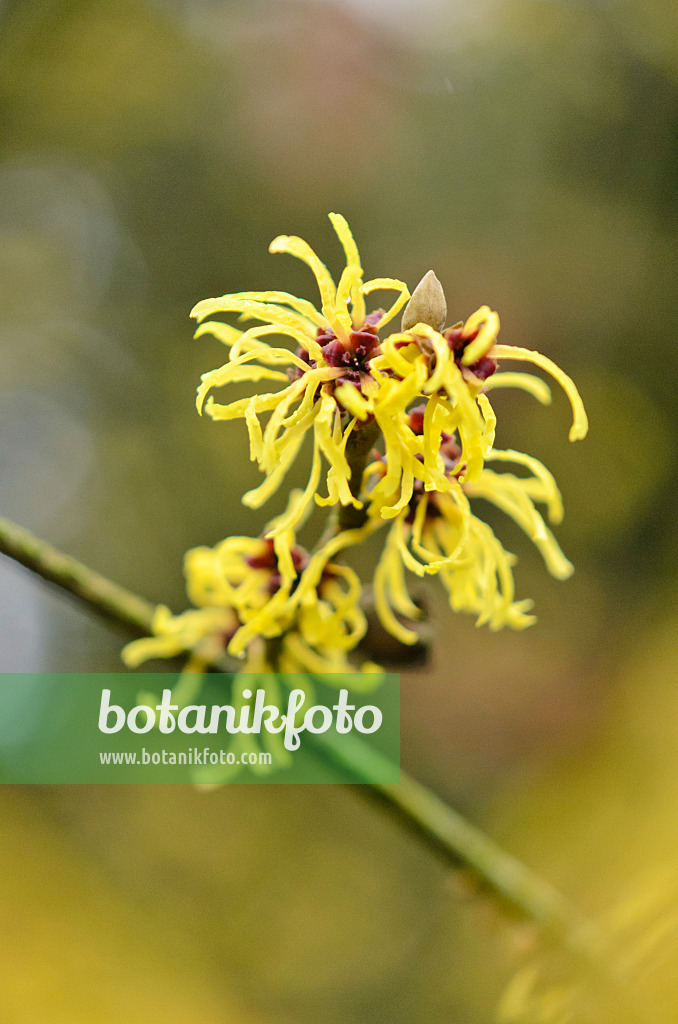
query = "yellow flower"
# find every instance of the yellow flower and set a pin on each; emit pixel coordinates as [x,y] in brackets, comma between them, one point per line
[349,389]
[342,381]
[248,591]
[336,345]
[437,533]
[452,370]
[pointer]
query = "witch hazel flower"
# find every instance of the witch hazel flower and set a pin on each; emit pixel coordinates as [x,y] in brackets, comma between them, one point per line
[335,348]
[266,601]
[422,397]
[348,387]
[454,370]
[437,533]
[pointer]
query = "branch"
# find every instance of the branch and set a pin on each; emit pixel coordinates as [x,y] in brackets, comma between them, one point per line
[461,844]
[107,598]
[441,828]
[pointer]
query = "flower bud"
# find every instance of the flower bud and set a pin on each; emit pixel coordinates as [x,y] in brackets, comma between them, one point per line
[427,305]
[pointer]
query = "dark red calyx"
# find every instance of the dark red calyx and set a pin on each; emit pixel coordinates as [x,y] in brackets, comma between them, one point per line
[455,340]
[483,367]
[299,559]
[335,354]
[324,337]
[361,345]
[266,559]
[363,342]
[295,372]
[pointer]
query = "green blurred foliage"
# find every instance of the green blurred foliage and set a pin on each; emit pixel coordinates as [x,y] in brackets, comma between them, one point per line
[150,151]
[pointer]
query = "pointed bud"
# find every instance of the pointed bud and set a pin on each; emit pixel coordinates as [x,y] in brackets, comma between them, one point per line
[427,305]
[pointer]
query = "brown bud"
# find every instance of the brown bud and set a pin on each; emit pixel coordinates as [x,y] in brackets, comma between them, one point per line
[427,305]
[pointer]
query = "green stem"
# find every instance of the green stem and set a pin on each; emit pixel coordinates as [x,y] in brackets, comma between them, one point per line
[107,598]
[461,844]
[440,827]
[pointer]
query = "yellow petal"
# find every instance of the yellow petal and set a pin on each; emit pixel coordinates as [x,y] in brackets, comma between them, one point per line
[302,250]
[535,386]
[580,423]
[352,265]
[389,284]
[488,322]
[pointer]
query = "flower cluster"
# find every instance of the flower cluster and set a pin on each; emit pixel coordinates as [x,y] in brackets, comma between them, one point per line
[266,601]
[438,533]
[403,434]
[335,347]
[342,380]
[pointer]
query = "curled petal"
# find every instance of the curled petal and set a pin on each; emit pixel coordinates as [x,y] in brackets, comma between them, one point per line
[268,312]
[510,494]
[486,322]
[546,489]
[354,269]
[390,284]
[302,250]
[580,422]
[534,386]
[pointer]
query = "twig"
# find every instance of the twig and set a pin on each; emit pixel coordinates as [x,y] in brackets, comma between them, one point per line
[461,844]
[440,827]
[107,598]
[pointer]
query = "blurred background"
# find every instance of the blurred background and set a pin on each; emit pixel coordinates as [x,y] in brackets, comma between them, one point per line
[527,150]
